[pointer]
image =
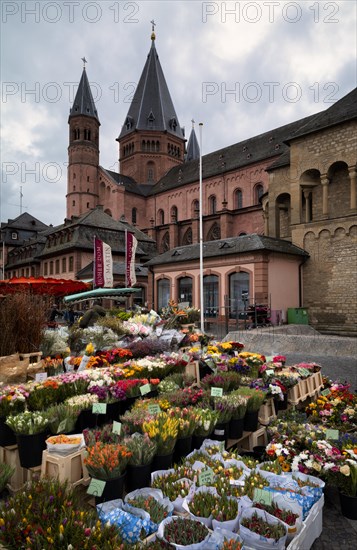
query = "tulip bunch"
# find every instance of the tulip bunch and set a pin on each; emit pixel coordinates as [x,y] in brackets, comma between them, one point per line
[185,531]
[163,430]
[268,530]
[106,461]
[225,509]
[186,418]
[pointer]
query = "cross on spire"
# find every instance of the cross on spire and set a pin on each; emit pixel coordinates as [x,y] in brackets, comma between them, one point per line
[84,62]
[153,25]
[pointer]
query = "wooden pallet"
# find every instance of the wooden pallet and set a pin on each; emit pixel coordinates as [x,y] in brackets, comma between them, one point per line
[10,455]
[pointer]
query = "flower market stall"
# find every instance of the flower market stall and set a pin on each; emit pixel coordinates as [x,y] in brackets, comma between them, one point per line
[149,435]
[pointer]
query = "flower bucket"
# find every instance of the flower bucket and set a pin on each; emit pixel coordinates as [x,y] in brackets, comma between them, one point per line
[30,447]
[182,448]
[251,421]
[114,489]
[161,462]
[348,506]
[138,477]
[235,428]
[197,441]
[86,419]
[7,436]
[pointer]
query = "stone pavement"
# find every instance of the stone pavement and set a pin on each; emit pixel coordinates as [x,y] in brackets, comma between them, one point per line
[338,532]
[338,359]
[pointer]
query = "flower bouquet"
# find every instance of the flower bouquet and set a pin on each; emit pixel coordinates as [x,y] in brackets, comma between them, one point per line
[201,503]
[224,407]
[62,418]
[44,394]
[162,429]
[239,405]
[142,449]
[12,400]
[103,434]
[225,513]
[28,422]
[64,444]
[183,532]
[106,461]
[206,421]
[259,526]
[186,418]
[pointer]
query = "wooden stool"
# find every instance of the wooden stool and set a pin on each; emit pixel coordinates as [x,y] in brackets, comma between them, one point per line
[67,468]
[10,455]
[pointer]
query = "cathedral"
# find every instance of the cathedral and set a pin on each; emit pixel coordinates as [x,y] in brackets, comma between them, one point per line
[278,210]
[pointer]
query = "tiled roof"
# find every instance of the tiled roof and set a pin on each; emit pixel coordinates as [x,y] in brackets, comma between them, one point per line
[224,247]
[83,102]
[152,107]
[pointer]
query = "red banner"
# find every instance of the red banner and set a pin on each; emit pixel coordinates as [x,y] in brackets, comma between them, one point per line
[131,244]
[103,265]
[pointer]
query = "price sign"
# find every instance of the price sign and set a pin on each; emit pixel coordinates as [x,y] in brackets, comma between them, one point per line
[186,358]
[332,434]
[116,427]
[96,487]
[99,408]
[41,376]
[236,482]
[304,372]
[326,392]
[216,392]
[62,426]
[206,477]
[154,409]
[145,389]
[269,372]
[210,363]
[263,496]
[269,358]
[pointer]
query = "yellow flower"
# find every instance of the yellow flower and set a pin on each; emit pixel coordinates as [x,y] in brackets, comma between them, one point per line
[89,349]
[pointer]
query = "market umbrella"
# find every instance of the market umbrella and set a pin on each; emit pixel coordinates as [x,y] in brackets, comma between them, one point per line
[42,285]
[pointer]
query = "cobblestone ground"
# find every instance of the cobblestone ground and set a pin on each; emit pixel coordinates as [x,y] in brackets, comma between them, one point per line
[338,532]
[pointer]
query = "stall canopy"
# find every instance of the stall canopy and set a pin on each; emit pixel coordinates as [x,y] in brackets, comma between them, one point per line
[42,285]
[101,293]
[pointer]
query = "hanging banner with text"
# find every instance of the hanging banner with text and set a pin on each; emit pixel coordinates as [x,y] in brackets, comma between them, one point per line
[131,244]
[103,265]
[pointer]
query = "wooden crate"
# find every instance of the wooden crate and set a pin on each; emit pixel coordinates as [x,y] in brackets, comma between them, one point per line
[70,467]
[249,440]
[10,455]
[193,369]
[267,412]
[299,393]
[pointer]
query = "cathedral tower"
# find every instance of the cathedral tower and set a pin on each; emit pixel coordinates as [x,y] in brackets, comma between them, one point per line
[83,151]
[151,140]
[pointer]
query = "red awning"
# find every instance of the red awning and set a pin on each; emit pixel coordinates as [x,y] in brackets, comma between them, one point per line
[42,285]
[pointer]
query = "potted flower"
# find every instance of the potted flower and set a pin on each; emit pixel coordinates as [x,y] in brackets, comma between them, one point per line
[31,430]
[224,408]
[143,450]
[108,462]
[103,434]
[183,532]
[84,404]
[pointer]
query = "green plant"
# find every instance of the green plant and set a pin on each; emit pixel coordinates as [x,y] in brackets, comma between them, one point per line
[62,418]
[6,471]
[185,531]
[255,398]
[142,449]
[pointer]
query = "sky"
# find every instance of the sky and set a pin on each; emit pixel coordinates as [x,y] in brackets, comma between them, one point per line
[240,68]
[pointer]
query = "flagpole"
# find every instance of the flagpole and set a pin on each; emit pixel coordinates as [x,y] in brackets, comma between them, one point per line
[201,235]
[94,264]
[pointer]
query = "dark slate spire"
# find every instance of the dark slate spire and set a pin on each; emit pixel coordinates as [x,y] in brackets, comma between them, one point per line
[193,149]
[84,103]
[152,107]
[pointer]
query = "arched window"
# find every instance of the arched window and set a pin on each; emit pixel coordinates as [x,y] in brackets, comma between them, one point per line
[258,192]
[187,238]
[173,214]
[212,204]
[133,215]
[195,209]
[143,145]
[185,290]
[210,295]
[238,292]
[163,293]
[161,217]
[214,233]
[238,198]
